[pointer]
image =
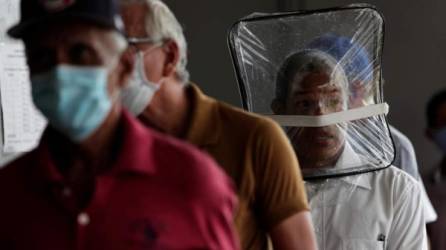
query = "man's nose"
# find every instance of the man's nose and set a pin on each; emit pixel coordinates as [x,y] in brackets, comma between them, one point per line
[61,57]
[320,108]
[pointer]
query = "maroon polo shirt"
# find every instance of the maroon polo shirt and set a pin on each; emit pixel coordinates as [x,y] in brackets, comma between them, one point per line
[159,194]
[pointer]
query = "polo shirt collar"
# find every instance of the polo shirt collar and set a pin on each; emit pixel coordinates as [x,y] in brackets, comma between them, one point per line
[204,128]
[134,153]
[137,149]
[46,169]
[350,158]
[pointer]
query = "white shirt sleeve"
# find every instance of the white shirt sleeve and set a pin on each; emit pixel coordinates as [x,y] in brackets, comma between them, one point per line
[408,229]
[406,160]
[430,215]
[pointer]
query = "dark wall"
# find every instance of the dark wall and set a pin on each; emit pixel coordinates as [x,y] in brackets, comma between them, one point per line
[206,24]
[414,64]
[413,54]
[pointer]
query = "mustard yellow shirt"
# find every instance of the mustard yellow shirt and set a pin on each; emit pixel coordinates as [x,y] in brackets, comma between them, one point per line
[256,153]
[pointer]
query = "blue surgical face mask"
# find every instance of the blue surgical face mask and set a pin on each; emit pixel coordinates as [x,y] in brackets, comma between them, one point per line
[440,139]
[140,91]
[74,99]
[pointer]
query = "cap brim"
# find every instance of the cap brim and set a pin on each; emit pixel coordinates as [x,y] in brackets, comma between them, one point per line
[17,30]
[22,29]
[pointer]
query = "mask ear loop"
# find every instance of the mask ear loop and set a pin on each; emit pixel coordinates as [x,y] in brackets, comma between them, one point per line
[141,70]
[133,41]
[141,54]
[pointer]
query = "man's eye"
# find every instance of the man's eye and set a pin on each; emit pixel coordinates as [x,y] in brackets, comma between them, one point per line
[303,104]
[82,55]
[335,102]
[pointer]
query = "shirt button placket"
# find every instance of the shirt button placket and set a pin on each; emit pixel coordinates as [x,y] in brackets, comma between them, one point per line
[83,220]
[66,192]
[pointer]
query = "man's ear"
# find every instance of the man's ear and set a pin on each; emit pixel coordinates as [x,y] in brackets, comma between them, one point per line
[127,64]
[172,52]
[277,107]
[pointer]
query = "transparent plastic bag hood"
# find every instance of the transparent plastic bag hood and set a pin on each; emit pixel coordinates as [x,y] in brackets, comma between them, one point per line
[318,74]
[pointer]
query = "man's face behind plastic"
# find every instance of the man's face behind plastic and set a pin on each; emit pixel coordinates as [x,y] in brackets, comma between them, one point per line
[315,95]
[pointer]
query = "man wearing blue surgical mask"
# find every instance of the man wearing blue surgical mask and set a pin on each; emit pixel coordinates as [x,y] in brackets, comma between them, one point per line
[436,180]
[99,179]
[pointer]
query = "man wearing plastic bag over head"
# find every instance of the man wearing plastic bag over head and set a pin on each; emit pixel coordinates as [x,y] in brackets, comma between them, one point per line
[315,85]
[357,199]
[358,67]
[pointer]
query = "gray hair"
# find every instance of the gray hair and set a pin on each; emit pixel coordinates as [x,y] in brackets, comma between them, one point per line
[161,24]
[118,41]
[304,62]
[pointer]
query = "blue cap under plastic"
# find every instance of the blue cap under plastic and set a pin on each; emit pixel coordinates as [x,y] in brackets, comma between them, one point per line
[353,57]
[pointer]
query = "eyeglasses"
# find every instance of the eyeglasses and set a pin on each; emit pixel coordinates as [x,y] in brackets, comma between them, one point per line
[135,41]
[141,40]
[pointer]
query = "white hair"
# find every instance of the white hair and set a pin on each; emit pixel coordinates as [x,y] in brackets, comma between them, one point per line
[161,24]
[299,64]
[119,42]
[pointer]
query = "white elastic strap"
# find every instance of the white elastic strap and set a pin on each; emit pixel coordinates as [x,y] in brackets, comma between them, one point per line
[331,119]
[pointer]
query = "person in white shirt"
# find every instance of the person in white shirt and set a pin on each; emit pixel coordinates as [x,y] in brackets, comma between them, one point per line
[363,205]
[359,70]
